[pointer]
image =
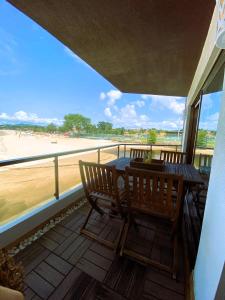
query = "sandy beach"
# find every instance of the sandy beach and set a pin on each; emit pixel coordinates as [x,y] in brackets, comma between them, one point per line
[15,143]
[24,186]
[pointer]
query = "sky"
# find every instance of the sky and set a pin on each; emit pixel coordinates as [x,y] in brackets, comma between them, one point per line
[41,81]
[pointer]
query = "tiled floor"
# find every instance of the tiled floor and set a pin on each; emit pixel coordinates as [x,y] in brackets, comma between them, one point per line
[65,265]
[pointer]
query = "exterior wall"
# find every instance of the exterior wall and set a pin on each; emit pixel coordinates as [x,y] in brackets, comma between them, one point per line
[211,253]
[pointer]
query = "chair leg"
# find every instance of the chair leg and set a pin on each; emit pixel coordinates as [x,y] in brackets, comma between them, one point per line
[124,236]
[95,206]
[120,236]
[86,220]
[175,258]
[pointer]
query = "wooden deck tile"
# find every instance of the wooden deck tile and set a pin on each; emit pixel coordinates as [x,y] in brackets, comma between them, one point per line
[73,247]
[125,277]
[66,265]
[68,283]
[55,236]
[67,242]
[161,292]
[48,243]
[32,256]
[29,293]
[88,288]
[97,259]
[103,251]
[79,252]
[164,279]
[40,286]
[93,270]
[49,274]
[62,230]
[58,263]
[72,220]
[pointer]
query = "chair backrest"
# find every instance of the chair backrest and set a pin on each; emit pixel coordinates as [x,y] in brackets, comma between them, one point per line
[204,164]
[98,178]
[139,153]
[154,193]
[205,160]
[173,157]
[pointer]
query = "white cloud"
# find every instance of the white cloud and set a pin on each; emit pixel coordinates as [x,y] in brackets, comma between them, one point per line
[107,112]
[210,123]
[127,116]
[175,104]
[102,95]
[23,116]
[112,96]
[140,103]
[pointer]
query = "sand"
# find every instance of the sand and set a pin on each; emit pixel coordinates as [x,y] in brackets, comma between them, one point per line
[15,144]
[25,186]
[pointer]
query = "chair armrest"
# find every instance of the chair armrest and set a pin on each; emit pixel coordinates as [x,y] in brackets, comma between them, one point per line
[9,294]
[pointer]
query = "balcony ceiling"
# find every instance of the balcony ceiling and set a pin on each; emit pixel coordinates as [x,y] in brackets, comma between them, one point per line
[140,46]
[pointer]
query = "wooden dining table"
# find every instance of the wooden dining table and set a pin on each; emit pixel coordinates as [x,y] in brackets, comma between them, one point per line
[190,174]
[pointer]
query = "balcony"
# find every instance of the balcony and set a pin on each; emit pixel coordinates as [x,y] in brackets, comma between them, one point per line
[65,265]
[145,48]
[59,263]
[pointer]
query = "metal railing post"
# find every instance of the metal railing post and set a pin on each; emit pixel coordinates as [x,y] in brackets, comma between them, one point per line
[56,163]
[99,158]
[125,150]
[118,151]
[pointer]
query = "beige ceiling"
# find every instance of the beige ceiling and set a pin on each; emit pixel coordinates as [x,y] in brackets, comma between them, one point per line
[140,46]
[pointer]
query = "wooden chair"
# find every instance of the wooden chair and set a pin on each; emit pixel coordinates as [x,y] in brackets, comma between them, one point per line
[173,157]
[139,153]
[204,164]
[100,186]
[152,194]
[199,192]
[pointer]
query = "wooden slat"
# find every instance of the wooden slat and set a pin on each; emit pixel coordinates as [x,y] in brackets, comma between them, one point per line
[49,274]
[39,285]
[58,263]
[97,259]
[160,292]
[91,269]
[62,247]
[69,282]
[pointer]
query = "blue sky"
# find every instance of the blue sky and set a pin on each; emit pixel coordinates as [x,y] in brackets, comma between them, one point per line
[41,80]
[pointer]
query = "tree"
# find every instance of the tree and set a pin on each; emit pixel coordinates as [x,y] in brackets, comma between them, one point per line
[76,121]
[105,127]
[152,136]
[119,131]
[202,138]
[51,128]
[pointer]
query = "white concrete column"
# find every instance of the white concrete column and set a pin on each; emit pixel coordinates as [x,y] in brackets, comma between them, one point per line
[211,253]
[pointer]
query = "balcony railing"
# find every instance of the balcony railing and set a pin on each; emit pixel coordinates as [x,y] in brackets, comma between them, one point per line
[29,182]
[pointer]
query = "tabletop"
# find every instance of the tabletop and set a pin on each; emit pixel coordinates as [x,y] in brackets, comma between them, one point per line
[190,174]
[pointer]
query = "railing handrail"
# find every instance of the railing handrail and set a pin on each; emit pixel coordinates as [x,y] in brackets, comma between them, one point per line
[19,160]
